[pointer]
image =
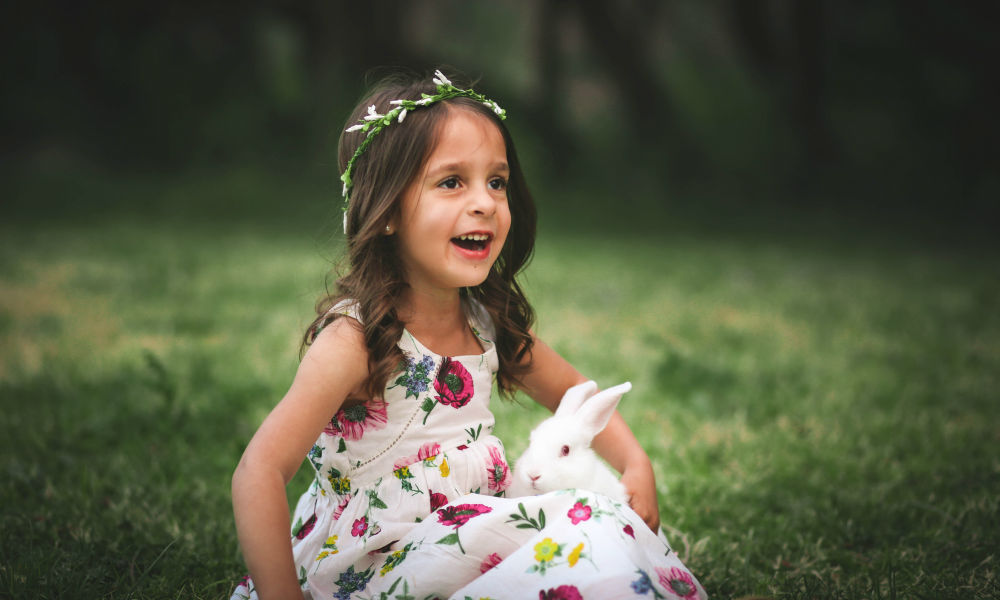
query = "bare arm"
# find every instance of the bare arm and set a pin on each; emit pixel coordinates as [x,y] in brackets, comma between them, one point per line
[547,380]
[334,365]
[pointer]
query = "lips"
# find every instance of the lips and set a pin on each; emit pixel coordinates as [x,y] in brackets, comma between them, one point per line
[475,244]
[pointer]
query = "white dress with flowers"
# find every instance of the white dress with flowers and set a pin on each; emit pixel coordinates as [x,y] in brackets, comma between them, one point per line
[408,503]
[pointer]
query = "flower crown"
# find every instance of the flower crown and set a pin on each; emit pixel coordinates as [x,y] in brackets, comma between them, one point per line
[373,123]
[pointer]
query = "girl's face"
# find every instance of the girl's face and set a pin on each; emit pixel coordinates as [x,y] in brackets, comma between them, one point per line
[454,217]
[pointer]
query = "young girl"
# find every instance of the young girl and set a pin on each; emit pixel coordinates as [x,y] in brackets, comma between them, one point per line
[391,400]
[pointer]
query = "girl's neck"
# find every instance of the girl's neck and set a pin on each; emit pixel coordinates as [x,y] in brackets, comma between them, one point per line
[439,322]
[422,310]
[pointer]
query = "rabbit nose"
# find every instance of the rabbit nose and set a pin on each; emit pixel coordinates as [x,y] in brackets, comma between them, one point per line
[534,478]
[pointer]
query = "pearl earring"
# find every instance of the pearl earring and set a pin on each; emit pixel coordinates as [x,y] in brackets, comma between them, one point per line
[388,229]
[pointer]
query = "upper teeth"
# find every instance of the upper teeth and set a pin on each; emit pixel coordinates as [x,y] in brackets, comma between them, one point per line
[476,237]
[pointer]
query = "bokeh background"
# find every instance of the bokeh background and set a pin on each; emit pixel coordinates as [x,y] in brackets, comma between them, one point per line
[884,112]
[776,218]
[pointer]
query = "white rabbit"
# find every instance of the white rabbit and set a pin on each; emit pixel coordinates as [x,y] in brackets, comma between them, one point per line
[559,454]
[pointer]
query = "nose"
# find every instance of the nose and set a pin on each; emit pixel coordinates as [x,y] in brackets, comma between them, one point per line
[534,478]
[482,203]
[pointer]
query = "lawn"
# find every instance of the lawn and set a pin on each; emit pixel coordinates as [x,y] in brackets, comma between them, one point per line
[822,410]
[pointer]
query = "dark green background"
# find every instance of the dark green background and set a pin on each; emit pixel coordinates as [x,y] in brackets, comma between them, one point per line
[869,114]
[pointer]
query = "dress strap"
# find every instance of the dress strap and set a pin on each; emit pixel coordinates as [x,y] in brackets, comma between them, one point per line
[480,321]
[347,308]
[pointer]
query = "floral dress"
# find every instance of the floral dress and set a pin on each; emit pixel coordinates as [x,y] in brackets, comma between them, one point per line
[408,502]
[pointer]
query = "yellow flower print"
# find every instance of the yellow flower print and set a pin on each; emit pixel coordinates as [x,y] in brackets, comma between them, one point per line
[340,485]
[545,550]
[391,563]
[329,548]
[445,469]
[575,555]
[403,473]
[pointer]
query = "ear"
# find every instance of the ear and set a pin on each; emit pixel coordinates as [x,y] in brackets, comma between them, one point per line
[575,396]
[596,412]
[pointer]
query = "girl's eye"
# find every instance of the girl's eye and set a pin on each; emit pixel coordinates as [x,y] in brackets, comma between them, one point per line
[450,183]
[564,451]
[498,183]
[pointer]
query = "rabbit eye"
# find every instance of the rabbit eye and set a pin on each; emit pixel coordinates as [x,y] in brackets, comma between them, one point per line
[564,451]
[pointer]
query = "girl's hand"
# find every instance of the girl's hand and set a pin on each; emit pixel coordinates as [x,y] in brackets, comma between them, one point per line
[640,483]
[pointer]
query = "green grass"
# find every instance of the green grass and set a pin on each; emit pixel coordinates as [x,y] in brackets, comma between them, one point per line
[822,413]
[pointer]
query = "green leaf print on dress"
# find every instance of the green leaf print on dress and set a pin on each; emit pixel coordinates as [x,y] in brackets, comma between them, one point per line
[528,522]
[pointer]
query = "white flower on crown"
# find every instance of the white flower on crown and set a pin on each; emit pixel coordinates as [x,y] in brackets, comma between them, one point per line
[372,114]
[440,79]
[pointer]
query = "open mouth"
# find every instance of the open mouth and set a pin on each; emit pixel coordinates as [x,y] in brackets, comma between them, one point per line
[473,242]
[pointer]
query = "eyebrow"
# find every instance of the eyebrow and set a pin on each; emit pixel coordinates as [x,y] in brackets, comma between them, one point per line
[457,166]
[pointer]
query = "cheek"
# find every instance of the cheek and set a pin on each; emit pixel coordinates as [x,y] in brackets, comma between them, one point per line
[503,229]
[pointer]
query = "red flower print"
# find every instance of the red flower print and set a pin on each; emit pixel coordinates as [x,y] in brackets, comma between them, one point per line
[628,529]
[352,422]
[678,582]
[489,562]
[360,527]
[438,500]
[453,384]
[306,527]
[579,512]
[460,514]
[497,472]
[563,592]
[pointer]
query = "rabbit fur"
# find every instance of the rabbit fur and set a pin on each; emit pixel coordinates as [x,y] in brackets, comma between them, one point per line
[559,455]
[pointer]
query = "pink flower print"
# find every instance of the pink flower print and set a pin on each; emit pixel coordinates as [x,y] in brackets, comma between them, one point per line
[678,582]
[580,512]
[306,527]
[489,562]
[438,500]
[563,592]
[460,514]
[352,422]
[628,529]
[428,450]
[339,511]
[360,527]
[498,473]
[453,384]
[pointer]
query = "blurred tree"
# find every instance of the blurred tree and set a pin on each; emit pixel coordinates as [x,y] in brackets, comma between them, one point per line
[807,101]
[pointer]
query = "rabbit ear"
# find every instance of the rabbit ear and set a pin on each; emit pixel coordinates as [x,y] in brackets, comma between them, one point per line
[575,396]
[596,412]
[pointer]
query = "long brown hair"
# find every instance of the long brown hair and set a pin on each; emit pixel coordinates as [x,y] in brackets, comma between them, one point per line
[375,278]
